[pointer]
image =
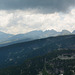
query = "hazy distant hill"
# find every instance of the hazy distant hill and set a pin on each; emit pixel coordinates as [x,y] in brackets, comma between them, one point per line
[73,32]
[15,54]
[39,34]
[32,36]
[4,36]
[65,32]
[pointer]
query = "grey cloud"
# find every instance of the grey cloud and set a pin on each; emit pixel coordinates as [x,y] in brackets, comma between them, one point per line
[42,5]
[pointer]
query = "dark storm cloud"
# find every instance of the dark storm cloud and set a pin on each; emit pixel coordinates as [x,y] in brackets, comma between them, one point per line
[43,5]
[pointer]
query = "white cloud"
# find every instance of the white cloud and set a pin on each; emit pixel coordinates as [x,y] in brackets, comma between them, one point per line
[20,21]
[5,18]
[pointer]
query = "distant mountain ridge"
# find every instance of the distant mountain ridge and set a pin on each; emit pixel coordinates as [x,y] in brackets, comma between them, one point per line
[7,39]
[4,36]
[65,32]
[73,32]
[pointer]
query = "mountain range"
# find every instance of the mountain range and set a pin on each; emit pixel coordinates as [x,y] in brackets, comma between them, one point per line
[38,53]
[7,39]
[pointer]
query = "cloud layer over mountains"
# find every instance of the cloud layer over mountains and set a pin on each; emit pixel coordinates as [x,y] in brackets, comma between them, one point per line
[19,21]
[22,16]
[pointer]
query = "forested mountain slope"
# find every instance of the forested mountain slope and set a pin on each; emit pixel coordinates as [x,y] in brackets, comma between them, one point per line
[17,53]
[54,63]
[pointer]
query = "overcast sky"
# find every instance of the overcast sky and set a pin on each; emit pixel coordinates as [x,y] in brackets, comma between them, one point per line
[22,16]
